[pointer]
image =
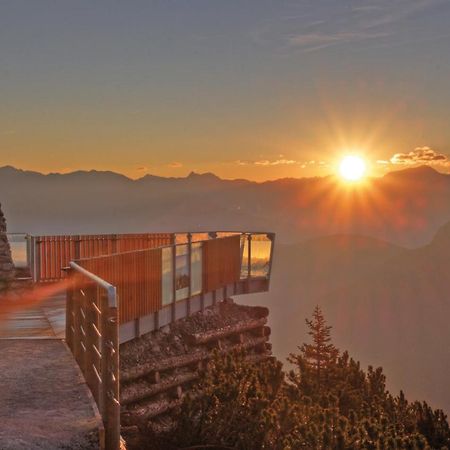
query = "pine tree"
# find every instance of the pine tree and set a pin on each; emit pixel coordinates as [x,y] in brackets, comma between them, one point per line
[321,354]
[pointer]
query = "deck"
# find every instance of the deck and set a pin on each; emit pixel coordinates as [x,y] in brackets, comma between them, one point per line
[44,400]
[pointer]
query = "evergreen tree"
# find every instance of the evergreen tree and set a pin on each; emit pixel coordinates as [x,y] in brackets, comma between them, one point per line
[327,402]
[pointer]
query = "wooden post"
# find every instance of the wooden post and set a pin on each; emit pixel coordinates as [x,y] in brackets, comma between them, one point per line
[69,311]
[77,249]
[77,338]
[102,399]
[91,339]
[112,389]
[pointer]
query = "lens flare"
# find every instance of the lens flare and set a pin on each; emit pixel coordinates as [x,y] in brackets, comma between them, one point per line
[352,168]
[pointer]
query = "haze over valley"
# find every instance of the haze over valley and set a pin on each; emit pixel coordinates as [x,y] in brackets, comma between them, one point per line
[379,268]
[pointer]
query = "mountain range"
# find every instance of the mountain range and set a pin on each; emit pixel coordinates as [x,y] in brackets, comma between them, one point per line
[404,207]
[375,256]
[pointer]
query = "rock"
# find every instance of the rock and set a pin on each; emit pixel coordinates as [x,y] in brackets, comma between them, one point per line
[6,263]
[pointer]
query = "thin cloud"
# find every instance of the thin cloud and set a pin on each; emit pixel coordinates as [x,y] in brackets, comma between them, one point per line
[268,162]
[278,162]
[316,41]
[323,27]
[420,155]
[175,165]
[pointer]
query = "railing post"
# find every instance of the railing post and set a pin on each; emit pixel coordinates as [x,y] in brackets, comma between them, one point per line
[114,243]
[271,237]
[37,256]
[70,310]
[249,261]
[77,336]
[174,281]
[111,381]
[188,302]
[91,336]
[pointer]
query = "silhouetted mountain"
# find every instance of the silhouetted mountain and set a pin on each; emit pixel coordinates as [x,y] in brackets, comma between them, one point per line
[404,207]
[390,306]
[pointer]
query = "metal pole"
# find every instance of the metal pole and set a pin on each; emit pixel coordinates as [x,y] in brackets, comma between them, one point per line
[188,302]
[174,281]
[249,261]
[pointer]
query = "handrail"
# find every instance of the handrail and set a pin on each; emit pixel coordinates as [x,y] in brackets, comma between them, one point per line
[112,297]
[93,307]
[92,334]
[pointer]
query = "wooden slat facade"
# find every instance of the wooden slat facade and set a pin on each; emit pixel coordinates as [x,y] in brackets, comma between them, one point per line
[137,277]
[221,262]
[53,253]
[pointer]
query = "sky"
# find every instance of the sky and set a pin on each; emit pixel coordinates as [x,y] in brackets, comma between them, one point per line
[256,89]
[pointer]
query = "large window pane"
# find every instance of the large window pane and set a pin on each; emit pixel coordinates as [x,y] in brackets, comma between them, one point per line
[19,249]
[167,276]
[196,268]
[182,279]
[244,256]
[261,248]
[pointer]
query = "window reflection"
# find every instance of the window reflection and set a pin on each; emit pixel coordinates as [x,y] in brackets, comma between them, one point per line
[167,276]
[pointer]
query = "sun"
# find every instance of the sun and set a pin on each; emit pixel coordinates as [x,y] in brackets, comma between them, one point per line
[352,168]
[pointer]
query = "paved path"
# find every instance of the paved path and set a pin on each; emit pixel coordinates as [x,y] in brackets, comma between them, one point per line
[44,321]
[44,401]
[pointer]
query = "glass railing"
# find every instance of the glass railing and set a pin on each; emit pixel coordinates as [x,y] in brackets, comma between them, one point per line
[19,244]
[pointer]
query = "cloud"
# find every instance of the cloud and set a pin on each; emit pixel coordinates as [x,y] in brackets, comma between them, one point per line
[345,23]
[269,162]
[420,155]
[142,169]
[280,162]
[175,165]
[310,42]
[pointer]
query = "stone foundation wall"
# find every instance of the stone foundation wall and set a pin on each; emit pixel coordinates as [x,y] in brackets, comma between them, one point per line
[6,264]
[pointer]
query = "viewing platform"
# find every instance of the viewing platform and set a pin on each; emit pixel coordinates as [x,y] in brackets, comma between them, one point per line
[118,287]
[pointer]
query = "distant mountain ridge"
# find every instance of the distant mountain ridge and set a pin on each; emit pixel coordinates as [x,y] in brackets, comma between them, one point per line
[376,256]
[404,207]
[389,306]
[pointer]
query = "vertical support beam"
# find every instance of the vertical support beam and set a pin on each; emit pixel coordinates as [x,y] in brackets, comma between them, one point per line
[102,398]
[114,243]
[249,261]
[77,336]
[174,281]
[37,261]
[271,236]
[77,249]
[69,310]
[91,317]
[112,380]
[188,301]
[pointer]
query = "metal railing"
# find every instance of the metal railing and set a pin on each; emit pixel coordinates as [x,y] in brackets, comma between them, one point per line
[92,334]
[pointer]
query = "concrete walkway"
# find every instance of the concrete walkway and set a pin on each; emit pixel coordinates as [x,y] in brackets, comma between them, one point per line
[44,401]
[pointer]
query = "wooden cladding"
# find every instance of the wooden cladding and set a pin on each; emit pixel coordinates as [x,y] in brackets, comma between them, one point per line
[137,277]
[221,262]
[52,253]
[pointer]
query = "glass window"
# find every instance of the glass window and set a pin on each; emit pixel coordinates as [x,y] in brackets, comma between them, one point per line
[196,268]
[182,279]
[167,276]
[19,249]
[261,250]
[244,256]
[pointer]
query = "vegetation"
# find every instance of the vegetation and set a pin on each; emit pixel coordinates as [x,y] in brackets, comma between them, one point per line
[326,402]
